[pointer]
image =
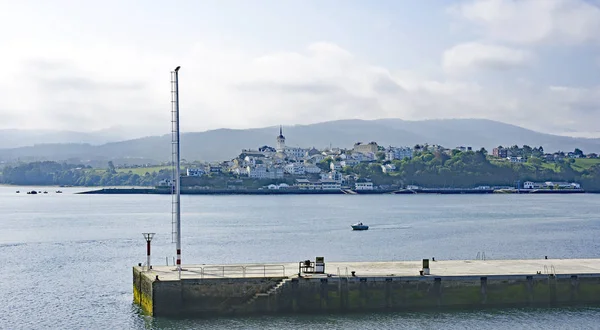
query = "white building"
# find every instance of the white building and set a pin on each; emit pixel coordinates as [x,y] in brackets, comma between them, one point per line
[388,168]
[295,153]
[363,186]
[165,182]
[214,168]
[274,172]
[315,158]
[363,157]
[333,176]
[365,148]
[330,185]
[393,153]
[295,169]
[240,170]
[312,169]
[306,184]
[563,185]
[513,159]
[250,160]
[335,166]
[463,148]
[349,162]
[550,184]
[257,171]
[195,172]
[533,185]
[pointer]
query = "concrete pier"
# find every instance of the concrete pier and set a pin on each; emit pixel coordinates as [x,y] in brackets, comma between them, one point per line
[210,290]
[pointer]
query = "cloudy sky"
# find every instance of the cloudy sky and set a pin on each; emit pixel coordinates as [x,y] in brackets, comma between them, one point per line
[83,65]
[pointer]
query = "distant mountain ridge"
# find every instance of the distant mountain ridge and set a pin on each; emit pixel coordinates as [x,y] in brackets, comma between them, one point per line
[16,138]
[224,144]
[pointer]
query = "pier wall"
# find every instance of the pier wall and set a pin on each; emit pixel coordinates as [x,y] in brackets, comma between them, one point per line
[393,293]
[197,297]
[202,297]
[142,291]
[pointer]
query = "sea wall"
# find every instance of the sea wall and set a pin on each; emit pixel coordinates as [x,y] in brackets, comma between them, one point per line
[142,291]
[393,293]
[204,297]
[293,191]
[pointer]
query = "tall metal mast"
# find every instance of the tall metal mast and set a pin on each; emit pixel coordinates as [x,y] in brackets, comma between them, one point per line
[175,154]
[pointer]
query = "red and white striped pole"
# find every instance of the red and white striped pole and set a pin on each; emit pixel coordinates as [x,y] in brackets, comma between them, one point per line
[148,237]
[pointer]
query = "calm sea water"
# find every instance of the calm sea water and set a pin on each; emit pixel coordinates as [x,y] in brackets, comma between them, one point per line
[65,259]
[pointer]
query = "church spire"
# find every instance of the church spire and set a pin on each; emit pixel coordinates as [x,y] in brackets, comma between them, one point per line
[280,140]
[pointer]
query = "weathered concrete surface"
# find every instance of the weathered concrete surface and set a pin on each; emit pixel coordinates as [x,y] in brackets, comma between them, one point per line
[142,290]
[250,288]
[396,268]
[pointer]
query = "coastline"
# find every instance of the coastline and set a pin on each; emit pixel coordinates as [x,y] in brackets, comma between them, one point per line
[158,191]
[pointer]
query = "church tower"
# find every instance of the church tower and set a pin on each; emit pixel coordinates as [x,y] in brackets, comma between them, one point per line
[280,141]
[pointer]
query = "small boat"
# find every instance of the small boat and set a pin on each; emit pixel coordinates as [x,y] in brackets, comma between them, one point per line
[33,192]
[359,226]
[18,192]
[59,192]
[45,192]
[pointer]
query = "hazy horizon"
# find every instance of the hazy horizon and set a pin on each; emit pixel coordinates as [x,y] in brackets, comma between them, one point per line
[92,66]
[138,133]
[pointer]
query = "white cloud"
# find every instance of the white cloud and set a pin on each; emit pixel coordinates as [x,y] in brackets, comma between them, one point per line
[475,55]
[84,88]
[534,21]
[585,101]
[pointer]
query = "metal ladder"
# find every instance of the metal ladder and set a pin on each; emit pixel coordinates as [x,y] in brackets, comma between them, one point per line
[550,271]
[174,145]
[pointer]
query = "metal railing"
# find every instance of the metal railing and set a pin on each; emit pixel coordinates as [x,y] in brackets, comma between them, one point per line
[233,271]
[264,270]
[222,271]
[258,270]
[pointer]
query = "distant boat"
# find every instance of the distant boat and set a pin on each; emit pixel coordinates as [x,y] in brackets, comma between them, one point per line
[59,192]
[359,226]
[18,192]
[33,192]
[45,192]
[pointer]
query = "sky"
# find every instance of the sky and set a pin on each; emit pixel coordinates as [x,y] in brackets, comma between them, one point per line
[84,66]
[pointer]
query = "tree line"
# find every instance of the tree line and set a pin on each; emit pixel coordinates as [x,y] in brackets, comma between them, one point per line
[469,169]
[54,173]
[435,169]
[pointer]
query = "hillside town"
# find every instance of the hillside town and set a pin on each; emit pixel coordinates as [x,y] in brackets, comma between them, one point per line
[285,167]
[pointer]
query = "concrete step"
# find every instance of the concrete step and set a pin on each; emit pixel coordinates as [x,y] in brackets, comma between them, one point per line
[263,294]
